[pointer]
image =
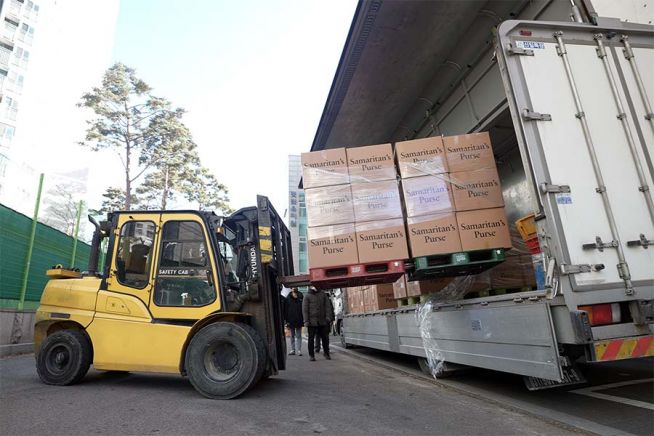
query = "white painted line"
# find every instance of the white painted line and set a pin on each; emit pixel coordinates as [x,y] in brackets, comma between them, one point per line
[628,401]
[591,392]
[617,385]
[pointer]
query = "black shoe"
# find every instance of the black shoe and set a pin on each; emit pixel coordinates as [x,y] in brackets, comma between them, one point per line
[312,359]
[327,356]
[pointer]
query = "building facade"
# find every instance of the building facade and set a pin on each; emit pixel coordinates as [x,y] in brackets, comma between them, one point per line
[297,216]
[51,52]
[19,20]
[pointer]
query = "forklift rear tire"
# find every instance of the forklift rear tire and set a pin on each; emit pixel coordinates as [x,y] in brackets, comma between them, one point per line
[64,358]
[225,359]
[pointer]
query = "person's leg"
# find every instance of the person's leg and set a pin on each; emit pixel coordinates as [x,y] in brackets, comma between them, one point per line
[324,337]
[298,340]
[292,341]
[312,334]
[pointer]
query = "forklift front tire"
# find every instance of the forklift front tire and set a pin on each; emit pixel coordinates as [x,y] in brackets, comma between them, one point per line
[225,359]
[64,358]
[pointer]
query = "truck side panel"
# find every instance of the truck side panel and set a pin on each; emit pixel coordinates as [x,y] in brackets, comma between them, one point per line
[510,336]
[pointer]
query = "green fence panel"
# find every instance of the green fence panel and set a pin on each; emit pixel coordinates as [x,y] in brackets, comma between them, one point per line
[51,247]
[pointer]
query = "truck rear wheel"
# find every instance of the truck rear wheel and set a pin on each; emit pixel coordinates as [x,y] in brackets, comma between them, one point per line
[64,358]
[225,359]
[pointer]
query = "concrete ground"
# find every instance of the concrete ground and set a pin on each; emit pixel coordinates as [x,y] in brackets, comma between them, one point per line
[618,398]
[347,395]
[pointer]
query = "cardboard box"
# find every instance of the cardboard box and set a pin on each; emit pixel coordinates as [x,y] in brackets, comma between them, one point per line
[478,189]
[424,287]
[421,157]
[332,246]
[399,288]
[381,240]
[371,163]
[376,201]
[469,152]
[324,168]
[329,205]
[378,297]
[483,229]
[427,195]
[352,300]
[359,306]
[517,271]
[433,234]
[353,303]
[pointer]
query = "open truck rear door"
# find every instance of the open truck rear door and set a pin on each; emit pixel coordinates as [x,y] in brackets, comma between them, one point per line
[581,102]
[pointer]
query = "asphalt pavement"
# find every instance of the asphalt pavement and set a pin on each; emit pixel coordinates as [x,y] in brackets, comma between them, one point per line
[347,395]
[618,398]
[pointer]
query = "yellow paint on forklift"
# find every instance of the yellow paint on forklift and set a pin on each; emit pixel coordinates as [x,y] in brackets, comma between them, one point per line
[119,344]
[123,304]
[71,293]
[82,317]
[265,244]
[264,231]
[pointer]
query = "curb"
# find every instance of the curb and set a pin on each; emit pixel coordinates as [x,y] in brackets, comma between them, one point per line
[16,349]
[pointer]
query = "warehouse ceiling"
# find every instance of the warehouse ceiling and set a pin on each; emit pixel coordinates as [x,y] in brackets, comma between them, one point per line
[391,55]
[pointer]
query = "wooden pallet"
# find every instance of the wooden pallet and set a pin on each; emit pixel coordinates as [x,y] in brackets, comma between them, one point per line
[456,264]
[408,301]
[344,276]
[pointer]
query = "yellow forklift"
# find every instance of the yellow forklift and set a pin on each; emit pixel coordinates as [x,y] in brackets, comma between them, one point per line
[184,292]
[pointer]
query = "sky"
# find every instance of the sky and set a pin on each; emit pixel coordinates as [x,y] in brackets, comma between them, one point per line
[253,76]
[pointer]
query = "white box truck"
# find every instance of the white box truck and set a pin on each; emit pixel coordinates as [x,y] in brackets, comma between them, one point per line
[580,156]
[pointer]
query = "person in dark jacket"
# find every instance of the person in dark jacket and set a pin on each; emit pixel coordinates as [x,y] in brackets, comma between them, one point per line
[294,320]
[318,314]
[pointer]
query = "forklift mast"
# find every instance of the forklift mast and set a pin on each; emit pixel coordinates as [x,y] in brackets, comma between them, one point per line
[262,244]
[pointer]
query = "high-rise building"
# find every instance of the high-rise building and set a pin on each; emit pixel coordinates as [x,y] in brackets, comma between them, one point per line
[51,52]
[297,216]
[18,20]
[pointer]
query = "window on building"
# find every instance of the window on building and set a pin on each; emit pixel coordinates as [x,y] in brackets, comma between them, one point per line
[7,131]
[184,269]
[302,246]
[134,255]
[5,54]
[9,30]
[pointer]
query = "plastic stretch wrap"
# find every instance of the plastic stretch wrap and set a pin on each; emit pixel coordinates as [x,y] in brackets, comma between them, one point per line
[437,193]
[435,359]
[372,163]
[324,168]
[420,157]
[329,205]
[332,246]
[376,201]
[381,240]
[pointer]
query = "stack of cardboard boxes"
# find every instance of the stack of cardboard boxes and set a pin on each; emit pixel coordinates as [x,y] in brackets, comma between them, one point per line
[354,209]
[430,210]
[451,202]
[330,211]
[380,232]
[369,298]
[477,192]
[452,195]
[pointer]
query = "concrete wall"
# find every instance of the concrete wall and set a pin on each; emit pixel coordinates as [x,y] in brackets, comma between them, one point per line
[20,325]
